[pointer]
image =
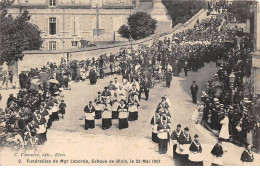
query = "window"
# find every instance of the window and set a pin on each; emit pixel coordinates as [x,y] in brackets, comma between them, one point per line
[74,43]
[52,26]
[73,1]
[52,2]
[52,45]
[26,1]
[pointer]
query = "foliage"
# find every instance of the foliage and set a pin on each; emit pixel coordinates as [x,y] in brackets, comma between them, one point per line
[140,25]
[183,10]
[124,31]
[240,9]
[16,35]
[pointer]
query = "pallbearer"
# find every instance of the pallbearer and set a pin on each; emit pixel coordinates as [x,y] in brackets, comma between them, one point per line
[89,115]
[183,147]
[195,156]
[175,138]
[154,123]
[123,115]
[106,115]
[98,106]
[163,135]
[133,104]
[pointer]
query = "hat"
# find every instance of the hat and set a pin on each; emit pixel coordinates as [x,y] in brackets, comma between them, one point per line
[196,136]
[215,99]
[99,92]
[186,129]
[178,125]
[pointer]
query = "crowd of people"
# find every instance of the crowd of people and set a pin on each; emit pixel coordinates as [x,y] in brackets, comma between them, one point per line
[26,118]
[226,106]
[117,101]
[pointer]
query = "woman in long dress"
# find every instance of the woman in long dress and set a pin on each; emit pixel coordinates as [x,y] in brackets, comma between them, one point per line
[224,132]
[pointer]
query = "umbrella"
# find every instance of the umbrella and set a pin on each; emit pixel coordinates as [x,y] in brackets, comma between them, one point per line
[216,83]
[54,81]
[35,81]
[34,87]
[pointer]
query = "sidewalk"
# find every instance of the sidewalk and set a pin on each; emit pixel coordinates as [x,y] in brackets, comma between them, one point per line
[233,154]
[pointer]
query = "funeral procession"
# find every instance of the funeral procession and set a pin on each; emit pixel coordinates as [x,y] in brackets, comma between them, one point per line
[129,83]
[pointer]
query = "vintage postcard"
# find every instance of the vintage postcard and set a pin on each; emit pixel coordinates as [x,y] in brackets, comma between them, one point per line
[129,83]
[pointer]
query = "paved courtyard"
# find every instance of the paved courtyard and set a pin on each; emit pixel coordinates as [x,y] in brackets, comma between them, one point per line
[134,143]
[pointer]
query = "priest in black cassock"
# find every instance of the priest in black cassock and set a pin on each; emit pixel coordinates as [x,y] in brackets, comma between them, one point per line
[123,115]
[154,123]
[195,156]
[247,155]
[106,114]
[175,138]
[183,147]
[217,154]
[163,135]
[89,116]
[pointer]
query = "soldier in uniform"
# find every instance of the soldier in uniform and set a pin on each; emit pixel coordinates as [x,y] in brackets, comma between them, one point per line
[194,90]
[144,87]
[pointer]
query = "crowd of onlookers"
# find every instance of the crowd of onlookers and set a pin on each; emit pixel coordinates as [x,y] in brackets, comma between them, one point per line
[27,116]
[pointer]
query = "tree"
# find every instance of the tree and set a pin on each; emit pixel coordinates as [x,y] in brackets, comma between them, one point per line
[140,25]
[16,35]
[240,9]
[124,31]
[182,10]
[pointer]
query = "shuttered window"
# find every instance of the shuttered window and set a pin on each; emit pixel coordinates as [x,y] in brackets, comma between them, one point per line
[52,2]
[52,45]
[52,26]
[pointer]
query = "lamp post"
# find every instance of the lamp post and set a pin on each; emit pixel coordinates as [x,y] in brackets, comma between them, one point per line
[231,82]
[131,42]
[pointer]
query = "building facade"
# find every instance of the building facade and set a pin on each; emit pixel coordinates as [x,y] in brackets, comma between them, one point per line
[67,24]
[256,54]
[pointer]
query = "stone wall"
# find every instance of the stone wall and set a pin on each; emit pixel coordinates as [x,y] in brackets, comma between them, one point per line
[37,59]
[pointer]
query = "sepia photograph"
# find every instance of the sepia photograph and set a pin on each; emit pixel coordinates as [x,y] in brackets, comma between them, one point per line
[129,82]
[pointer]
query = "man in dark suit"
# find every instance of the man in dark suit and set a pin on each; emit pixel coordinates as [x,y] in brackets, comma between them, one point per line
[194,90]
